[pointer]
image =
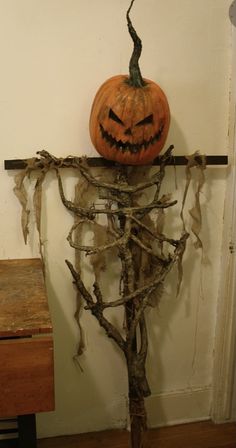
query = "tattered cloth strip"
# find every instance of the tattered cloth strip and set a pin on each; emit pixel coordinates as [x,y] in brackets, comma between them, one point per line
[195,212]
[37,201]
[199,162]
[79,190]
[21,194]
[195,161]
[84,195]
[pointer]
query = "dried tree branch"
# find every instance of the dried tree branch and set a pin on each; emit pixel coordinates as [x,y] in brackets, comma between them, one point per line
[95,307]
[150,286]
[148,249]
[159,237]
[85,212]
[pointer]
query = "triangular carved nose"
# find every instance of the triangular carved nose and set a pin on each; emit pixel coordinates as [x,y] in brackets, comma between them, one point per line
[128,131]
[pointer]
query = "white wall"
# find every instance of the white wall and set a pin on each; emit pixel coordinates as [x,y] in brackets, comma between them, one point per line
[234,149]
[54,56]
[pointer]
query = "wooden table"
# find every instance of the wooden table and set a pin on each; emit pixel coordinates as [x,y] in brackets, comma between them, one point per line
[26,346]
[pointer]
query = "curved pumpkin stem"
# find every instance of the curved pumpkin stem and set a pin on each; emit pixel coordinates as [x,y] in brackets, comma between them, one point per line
[135,77]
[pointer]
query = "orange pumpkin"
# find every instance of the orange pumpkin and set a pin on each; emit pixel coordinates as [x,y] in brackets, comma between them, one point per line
[129,124]
[130,115]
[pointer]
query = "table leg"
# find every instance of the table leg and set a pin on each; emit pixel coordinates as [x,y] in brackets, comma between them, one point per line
[27,431]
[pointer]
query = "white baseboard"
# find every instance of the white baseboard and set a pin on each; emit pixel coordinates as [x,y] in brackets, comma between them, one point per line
[179,407]
[164,409]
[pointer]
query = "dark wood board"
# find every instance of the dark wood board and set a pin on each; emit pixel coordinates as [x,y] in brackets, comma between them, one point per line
[18,164]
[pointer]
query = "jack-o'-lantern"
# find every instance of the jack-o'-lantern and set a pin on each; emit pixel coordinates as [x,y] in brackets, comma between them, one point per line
[130,115]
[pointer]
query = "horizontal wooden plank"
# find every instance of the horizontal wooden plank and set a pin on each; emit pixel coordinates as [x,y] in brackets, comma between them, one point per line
[8,429]
[26,376]
[16,164]
[23,300]
[8,423]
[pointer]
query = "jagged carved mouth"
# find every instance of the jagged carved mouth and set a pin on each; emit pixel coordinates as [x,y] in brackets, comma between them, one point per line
[127,146]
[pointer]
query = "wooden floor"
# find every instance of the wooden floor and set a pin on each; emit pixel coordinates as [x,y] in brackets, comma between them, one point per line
[193,435]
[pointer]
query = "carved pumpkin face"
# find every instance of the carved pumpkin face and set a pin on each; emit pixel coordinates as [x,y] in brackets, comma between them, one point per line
[129,124]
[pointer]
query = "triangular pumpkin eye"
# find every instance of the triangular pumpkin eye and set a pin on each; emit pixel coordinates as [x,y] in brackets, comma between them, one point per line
[114,117]
[146,120]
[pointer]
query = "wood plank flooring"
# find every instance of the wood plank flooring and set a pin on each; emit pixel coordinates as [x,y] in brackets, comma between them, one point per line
[193,435]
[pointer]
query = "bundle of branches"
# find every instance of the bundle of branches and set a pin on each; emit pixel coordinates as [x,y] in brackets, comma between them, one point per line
[145,261]
[145,253]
